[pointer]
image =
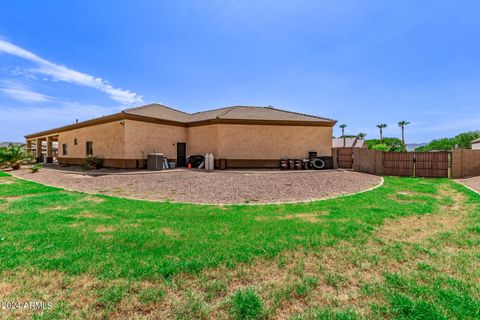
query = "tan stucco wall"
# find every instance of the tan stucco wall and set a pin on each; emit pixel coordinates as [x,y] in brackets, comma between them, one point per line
[108,141]
[142,138]
[237,141]
[135,139]
[202,139]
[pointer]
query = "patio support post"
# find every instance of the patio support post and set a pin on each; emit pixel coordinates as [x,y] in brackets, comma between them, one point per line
[29,146]
[49,157]
[38,150]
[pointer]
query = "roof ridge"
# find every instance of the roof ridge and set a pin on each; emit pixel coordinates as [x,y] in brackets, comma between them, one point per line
[251,106]
[218,113]
[226,111]
[154,104]
[209,110]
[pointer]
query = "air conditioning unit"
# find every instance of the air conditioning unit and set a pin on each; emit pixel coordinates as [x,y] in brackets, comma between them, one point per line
[155,161]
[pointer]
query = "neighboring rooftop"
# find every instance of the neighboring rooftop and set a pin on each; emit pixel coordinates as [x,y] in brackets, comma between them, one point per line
[413,146]
[160,111]
[476,141]
[351,142]
[6,144]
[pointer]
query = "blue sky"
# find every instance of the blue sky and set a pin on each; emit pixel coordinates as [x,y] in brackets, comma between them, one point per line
[360,62]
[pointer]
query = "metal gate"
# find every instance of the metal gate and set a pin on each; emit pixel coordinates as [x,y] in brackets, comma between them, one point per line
[345,158]
[431,164]
[398,164]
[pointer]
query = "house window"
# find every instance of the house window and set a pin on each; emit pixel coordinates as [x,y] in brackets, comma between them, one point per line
[89,148]
[64,149]
[75,142]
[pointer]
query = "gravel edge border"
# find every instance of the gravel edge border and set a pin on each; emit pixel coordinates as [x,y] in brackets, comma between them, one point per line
[470,188]
[382,181]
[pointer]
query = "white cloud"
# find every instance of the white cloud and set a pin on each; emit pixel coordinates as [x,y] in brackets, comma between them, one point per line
[20,92]
[62,73]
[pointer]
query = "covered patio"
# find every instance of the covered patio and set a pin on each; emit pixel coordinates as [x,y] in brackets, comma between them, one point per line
[44,148]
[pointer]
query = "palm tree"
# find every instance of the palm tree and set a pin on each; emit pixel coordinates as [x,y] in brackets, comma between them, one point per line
[13,156]
[343,126]
[381,126]
[361,135]
[402,125]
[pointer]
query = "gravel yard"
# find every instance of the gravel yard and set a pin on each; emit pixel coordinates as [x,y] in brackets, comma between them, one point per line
[218,187]
[473,183]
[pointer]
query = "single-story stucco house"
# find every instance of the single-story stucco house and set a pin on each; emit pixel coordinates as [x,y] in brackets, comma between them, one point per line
[245,136]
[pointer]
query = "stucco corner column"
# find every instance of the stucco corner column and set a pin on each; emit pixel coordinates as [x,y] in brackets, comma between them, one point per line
[49,155]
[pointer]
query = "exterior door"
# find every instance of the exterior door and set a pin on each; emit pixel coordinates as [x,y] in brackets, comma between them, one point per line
[181,154]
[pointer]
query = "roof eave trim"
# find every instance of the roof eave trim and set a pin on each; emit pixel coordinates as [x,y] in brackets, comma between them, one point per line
[87,123]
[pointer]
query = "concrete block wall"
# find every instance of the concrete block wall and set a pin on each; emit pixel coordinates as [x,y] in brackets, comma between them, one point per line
[334,158]
[368,161]
[465,163]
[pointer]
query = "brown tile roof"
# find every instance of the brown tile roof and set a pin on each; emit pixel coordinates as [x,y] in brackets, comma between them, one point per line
[159,111]
[231,113]
[162,112]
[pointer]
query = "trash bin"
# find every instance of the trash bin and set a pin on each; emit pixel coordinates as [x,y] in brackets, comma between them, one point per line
[222,164]
[291,164]
[298,164]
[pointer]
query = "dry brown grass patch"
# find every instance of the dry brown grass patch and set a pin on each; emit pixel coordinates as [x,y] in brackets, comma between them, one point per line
[89,215]
[309,217]
[170,232]
[76,225]
[13,198]
[103,229]
[6,289]
[416,229]
[93,199]
[49,286]
[407,196]
[53,208]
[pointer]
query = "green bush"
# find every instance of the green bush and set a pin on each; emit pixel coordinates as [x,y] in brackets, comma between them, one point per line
[13,156]
[387,144]
[36,167]
[92,163]
[246,304]
[462,141]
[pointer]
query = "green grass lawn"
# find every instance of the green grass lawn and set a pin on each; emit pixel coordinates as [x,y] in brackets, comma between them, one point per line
[409,249]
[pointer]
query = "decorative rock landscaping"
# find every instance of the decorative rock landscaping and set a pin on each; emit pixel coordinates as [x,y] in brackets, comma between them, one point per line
[218,187]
